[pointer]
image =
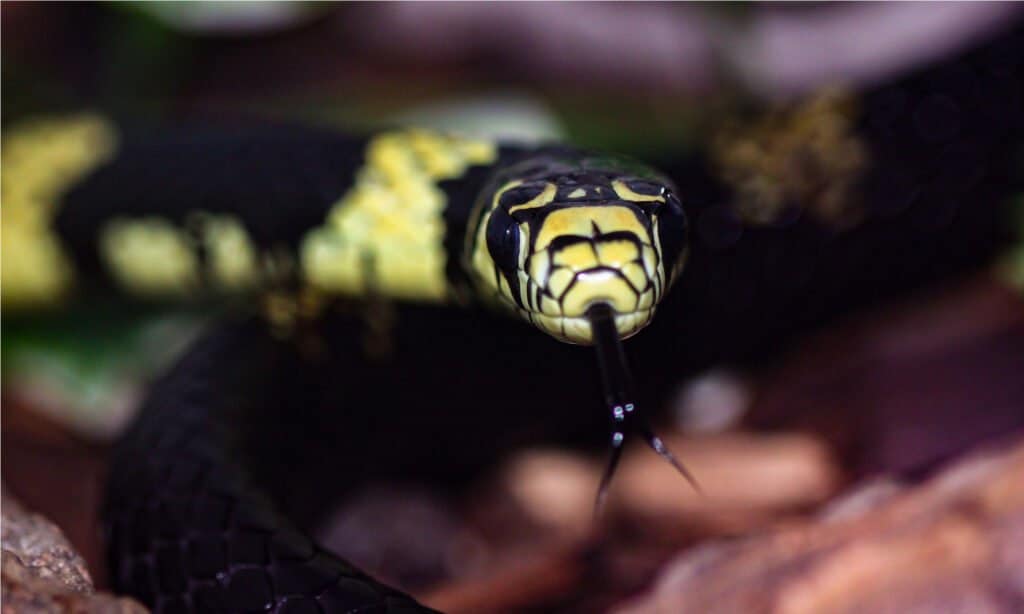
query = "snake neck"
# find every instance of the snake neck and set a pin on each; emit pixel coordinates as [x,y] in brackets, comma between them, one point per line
[388,234]
[468,198]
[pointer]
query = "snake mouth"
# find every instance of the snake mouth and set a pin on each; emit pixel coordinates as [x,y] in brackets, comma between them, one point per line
[577,329]
[561,310]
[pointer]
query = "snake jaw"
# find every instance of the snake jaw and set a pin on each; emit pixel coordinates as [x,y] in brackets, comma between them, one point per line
[558,305]
[577,329]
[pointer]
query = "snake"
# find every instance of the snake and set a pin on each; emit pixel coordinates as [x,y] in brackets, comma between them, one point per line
[203,512]
[578,245]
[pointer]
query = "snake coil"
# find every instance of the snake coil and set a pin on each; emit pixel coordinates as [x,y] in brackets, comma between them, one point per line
[191,528]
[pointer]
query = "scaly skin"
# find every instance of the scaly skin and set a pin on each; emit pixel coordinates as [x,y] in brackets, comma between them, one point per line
[189,525]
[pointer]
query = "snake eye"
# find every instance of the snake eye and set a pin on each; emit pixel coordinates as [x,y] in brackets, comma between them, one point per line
[651,208]
[647,188]
[673,204]
[672,229]
[503,240]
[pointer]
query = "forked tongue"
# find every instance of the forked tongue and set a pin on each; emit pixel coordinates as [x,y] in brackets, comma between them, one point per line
[621,401]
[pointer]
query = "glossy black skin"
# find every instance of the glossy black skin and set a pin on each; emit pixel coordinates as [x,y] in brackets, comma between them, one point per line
[281,179]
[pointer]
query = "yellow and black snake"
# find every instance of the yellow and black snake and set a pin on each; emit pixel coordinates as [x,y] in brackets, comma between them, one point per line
[412,215]
[579,245]
[203,507]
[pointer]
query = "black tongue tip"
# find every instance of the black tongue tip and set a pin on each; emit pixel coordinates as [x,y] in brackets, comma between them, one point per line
[621,402]
[659,446]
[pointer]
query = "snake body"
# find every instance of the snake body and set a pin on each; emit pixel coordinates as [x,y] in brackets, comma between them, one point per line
[189,526]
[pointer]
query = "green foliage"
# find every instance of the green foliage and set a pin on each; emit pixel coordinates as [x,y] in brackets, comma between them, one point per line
[85,365]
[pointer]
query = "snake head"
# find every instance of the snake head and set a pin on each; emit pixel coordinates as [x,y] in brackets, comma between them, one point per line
[559,233]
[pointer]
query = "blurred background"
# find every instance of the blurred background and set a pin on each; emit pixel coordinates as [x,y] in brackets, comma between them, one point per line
[850,326]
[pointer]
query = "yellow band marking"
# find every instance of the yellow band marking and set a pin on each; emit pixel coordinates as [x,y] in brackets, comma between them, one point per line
[154,257]
[580,221]
[41,160]
[625,193]
[150,256]
[233,259]
[545,197]
[387,231]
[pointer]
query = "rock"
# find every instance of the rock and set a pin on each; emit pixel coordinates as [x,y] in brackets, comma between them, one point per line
[954,543]
[543,549]
[42,573]
[745,479]
[555,490]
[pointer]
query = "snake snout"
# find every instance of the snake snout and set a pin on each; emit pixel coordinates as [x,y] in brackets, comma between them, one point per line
[576,273]
[592,287]
[616,269]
